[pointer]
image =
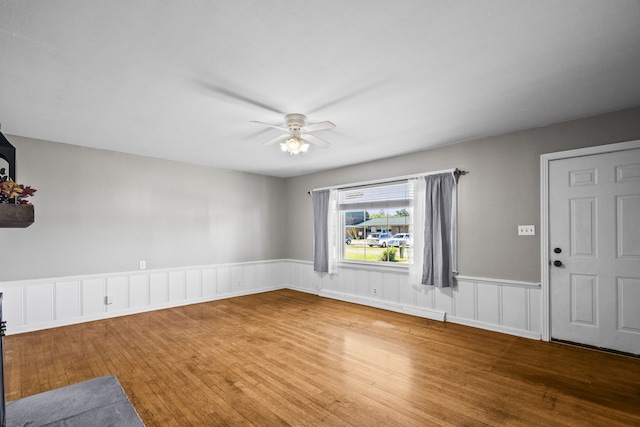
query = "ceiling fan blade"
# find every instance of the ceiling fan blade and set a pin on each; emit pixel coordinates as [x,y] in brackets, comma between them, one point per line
[312,127]
[346,97]
[270,125]
[276,139]
[237,96]
[315,140]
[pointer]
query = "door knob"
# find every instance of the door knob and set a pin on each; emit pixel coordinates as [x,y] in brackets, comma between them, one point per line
[557,263]
[557,250]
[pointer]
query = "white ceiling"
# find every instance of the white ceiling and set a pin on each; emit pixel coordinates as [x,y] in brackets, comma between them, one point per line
[182,80]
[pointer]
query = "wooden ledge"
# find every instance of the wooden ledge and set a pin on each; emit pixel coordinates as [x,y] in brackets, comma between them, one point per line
[16,216]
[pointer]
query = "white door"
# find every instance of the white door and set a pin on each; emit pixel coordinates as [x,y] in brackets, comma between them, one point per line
[594,250]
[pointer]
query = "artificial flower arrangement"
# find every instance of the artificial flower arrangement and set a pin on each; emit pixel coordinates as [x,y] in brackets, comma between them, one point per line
[13,193]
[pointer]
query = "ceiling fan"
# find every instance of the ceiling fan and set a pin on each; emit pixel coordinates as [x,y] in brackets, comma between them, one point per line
[298,133]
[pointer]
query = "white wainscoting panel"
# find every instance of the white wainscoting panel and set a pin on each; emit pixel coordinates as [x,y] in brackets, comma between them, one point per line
[487,302]
[13,306]
[177,286]
[139,295]
[193,279]
[209,283]
[68,299]
[158,289]
[118,289]
[224,280]
[39,307]
[510,307]
[93,293]
[30,305]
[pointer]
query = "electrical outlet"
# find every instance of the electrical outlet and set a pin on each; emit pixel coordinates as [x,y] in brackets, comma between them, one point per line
[375,291]
[108,300]
[526,230]
[143,265]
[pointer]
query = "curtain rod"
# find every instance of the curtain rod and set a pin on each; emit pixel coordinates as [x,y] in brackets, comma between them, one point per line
[456,173]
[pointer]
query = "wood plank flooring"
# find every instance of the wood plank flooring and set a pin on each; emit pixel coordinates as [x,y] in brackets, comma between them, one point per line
[290,358]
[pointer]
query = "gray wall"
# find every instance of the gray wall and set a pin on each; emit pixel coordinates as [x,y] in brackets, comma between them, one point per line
[100,212]
[501,191]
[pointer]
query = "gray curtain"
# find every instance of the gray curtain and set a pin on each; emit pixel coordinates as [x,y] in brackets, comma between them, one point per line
[438,255]
[320,231]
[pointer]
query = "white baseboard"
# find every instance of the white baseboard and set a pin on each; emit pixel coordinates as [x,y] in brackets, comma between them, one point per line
[495,328]
[414,311]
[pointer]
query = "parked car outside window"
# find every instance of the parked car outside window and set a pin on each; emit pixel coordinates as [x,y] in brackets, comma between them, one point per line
[399,238]
[379,239]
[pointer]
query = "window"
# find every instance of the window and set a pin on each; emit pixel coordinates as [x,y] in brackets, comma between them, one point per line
[377,223]
[384,219]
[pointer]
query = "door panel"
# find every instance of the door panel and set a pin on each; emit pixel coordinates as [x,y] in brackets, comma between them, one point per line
[584,298]
[594,223]
[583,227]
[628,310]
[628,227]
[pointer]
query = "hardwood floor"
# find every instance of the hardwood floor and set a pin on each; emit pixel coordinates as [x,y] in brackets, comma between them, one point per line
[289,358]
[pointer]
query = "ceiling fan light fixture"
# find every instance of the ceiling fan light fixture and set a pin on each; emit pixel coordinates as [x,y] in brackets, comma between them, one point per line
[294,145]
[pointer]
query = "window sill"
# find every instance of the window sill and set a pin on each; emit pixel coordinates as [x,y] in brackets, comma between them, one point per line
[370,266]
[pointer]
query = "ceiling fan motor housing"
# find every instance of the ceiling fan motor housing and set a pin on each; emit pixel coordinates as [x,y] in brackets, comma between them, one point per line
[295,121]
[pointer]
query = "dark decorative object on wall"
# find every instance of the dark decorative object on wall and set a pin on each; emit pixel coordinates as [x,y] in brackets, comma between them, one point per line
[8,152]
[15,209]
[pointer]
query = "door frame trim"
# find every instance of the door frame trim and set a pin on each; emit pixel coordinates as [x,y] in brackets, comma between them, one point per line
[545,160]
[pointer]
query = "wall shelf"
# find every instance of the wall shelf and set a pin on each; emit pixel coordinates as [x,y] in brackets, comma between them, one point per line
[16,216]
